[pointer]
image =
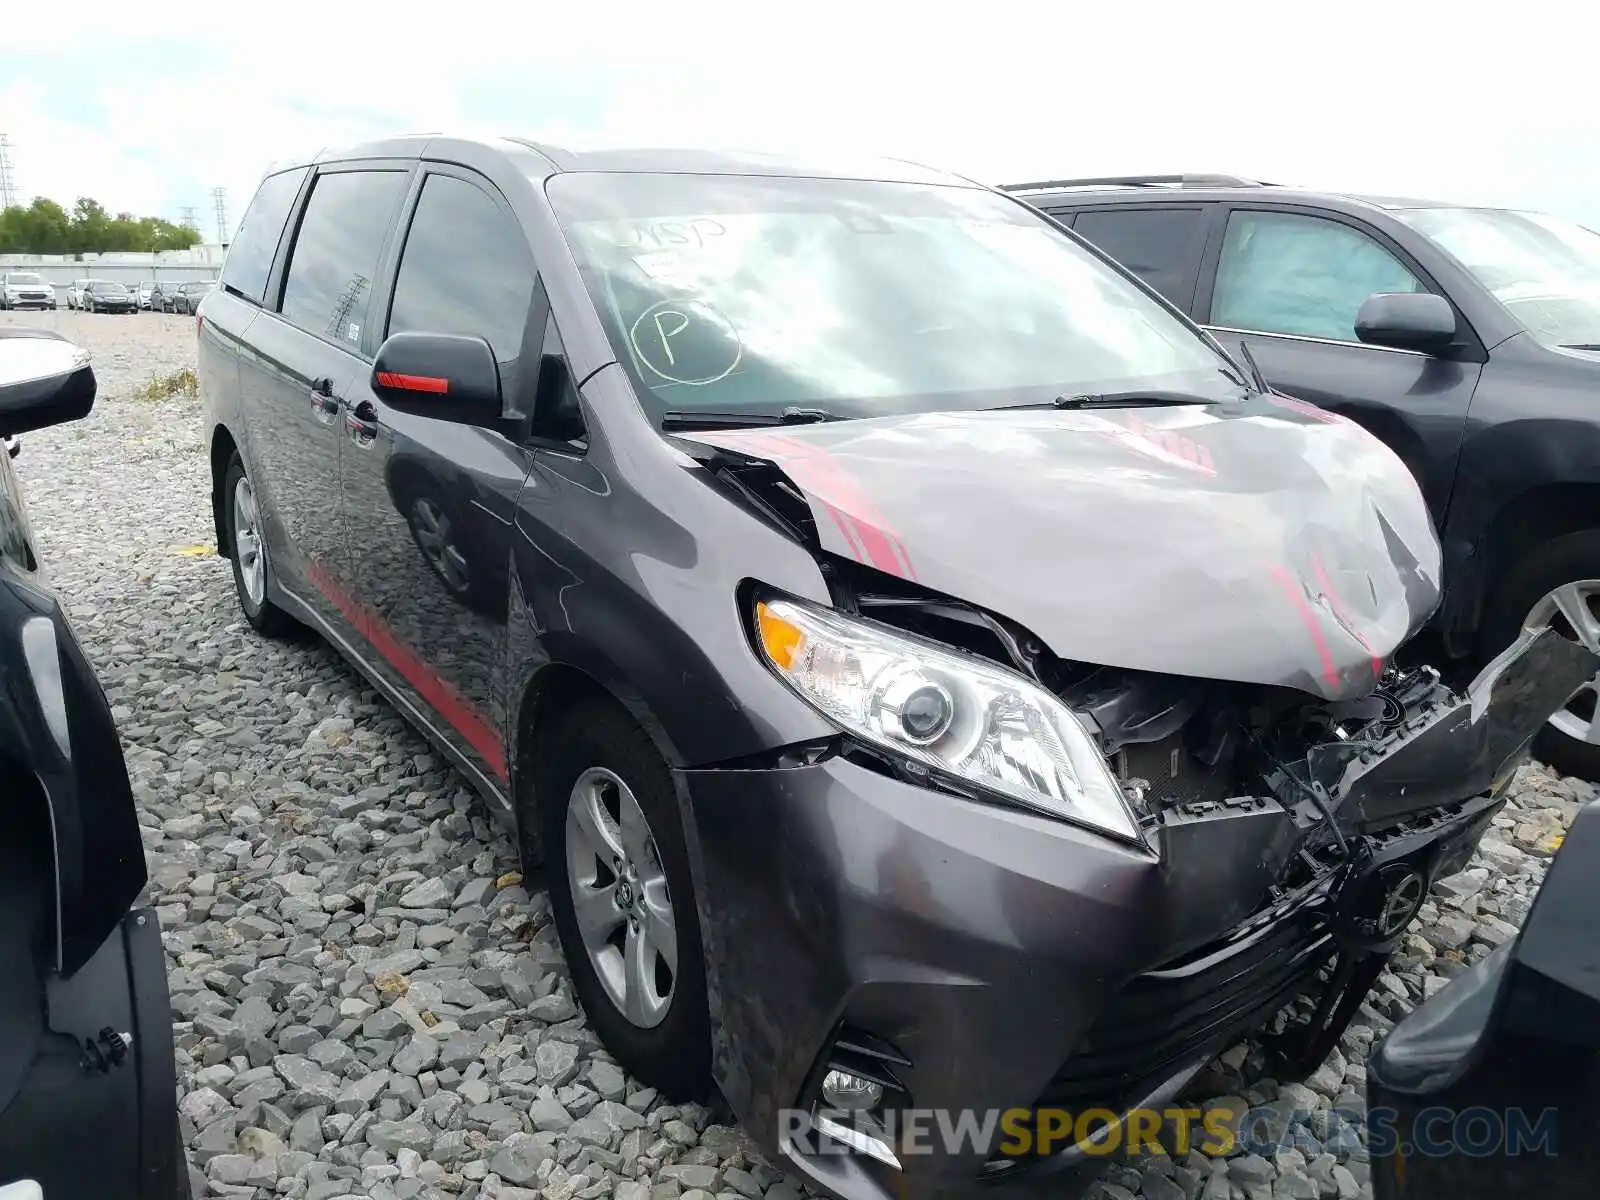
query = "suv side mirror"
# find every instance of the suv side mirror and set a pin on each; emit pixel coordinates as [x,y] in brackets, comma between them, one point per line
[1407,321]
[557,415]
[441,375]
[44,380]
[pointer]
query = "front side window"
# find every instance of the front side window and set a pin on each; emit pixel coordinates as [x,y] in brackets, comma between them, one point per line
[1159,244]
[754,294]
[465,268]
[1543,270]
[328,284]
[1301,275]
[255,245]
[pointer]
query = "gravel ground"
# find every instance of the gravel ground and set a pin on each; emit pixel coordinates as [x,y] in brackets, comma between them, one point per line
[366,1001]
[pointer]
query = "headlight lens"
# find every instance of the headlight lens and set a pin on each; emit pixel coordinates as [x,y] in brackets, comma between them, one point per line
[944,710]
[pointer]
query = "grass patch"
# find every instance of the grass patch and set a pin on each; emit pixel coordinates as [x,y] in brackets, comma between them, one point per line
[184,384]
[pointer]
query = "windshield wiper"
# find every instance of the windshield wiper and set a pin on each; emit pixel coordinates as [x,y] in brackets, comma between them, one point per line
[793,415]
[1137,399]
[1581,346]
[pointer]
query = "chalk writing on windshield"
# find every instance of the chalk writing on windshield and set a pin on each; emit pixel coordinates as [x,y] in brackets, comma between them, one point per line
[664,235]
[686,341]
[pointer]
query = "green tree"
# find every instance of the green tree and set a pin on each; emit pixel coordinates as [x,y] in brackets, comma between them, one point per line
[44,227]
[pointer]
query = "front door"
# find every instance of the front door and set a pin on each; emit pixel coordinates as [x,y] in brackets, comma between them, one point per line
[429,504]
[1289,284]
[303,361]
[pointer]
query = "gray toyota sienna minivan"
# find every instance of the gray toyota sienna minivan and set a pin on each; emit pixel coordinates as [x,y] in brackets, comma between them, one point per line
[932,677]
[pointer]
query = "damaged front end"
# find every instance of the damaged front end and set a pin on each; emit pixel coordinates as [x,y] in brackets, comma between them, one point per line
[1297,838]
[1297,790]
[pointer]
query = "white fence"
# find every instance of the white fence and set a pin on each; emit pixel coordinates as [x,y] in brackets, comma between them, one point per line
[200,264]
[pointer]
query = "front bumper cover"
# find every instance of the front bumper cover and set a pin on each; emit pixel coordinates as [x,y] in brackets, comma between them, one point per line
[983,944]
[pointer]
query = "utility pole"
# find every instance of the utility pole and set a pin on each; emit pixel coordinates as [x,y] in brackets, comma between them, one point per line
[8,179]
[190,216]
[219,199]
[338,322]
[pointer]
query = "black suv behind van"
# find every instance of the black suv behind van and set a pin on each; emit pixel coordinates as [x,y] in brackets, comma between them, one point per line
[933,676]
[1468,339]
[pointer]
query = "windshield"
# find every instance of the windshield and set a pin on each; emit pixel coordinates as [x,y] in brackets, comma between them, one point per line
[24,278]
[1544,270]
[747,294]
[106,285]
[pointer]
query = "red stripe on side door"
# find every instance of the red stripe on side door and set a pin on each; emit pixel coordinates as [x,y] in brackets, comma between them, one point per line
[463,716]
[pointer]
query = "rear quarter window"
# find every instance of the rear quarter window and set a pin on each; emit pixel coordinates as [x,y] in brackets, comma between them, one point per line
[255,245]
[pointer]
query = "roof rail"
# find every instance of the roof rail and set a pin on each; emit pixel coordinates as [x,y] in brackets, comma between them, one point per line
[1135,181]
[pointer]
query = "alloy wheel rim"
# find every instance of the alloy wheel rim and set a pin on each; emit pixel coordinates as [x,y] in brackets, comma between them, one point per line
[1573,610]
[247,545]
[436,536]
[620,897]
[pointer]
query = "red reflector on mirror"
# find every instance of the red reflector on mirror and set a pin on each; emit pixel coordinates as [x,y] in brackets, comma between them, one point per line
[414,383]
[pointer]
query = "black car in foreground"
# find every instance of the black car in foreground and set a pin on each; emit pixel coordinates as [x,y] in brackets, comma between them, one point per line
[934,678]
[1468,339]
[87,1087]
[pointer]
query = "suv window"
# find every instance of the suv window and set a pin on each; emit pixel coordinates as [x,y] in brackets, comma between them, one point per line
[1160,245]
[1304,275]
[255,244]
[465,268]
[328,284]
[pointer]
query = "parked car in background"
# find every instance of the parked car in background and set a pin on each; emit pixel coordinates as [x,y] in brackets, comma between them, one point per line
[187,296]
[75,292]
[107,296]
[146,293]
[1468,339]
[845,753]
[26,289]
[87,1086]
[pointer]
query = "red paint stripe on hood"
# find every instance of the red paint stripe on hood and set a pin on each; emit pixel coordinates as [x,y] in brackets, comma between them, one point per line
[1337,603]
[475,729]
[815,471]
[1297,596]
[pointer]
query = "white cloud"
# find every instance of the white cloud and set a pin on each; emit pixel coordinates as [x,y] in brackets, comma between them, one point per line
[1419,98]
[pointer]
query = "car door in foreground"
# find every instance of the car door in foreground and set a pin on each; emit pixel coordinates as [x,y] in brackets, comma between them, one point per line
[429,504]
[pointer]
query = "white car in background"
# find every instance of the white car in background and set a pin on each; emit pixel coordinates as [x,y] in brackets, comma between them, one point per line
[25,289]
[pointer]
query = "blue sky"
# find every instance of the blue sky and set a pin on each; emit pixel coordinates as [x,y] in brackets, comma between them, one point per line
[103,99]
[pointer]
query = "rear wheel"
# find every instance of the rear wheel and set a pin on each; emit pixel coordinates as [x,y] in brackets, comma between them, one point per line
[1558,585]
[252,569]
[624,898]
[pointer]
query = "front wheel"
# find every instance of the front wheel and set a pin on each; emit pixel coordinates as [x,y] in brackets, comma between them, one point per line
[1558,586]
[247,542]
[624,899]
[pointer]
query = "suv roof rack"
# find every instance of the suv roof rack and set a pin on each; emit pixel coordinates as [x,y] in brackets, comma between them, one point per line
[1135,181]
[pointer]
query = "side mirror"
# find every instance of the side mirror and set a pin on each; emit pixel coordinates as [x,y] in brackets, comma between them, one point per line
[44,380]
[441,375]
[557,415]
[13,446]
[1407,321]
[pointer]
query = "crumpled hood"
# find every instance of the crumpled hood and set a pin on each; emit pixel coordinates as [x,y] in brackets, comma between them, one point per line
[1262,542]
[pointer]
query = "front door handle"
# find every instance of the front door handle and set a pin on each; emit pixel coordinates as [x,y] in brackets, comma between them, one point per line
[324,404]
[361,423]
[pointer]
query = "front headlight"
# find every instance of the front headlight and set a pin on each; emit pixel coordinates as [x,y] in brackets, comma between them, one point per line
[941,710]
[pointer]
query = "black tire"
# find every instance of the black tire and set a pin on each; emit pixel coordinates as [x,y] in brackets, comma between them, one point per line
[1563,560]
[266,618]
[674,1056]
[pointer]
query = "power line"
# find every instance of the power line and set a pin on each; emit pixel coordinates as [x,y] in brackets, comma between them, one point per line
[8,179]
[219,199]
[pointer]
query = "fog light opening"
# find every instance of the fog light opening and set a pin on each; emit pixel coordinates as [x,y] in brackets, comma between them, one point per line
[850,1093]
